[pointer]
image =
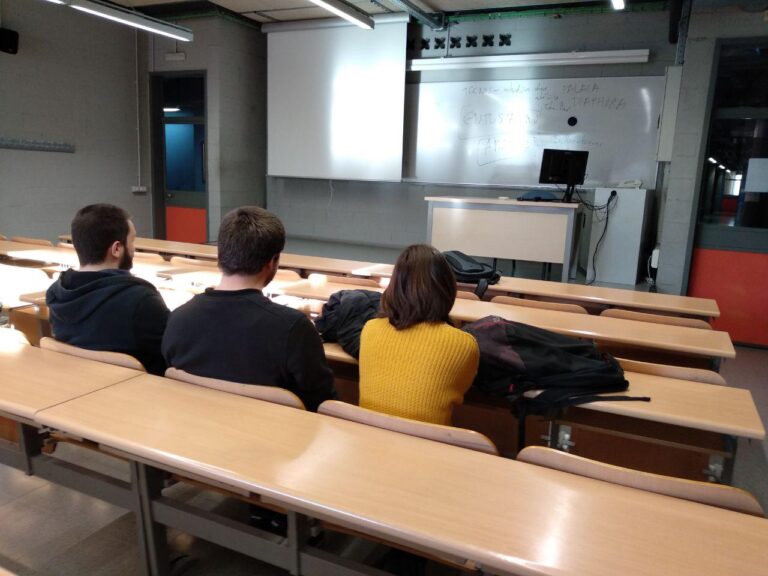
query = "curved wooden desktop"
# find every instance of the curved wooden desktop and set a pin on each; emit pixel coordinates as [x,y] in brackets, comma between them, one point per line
[694,341]
[720,409]
[34,379]
[684,305]
[578,293]
[287,260]
[507,516]
[615,331]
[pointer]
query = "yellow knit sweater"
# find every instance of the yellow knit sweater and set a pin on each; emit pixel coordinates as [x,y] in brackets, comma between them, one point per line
[420,372]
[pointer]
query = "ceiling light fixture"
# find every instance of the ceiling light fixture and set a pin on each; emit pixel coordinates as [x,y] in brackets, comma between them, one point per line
[618,4]
[346,11]
[131,18]
[712,160]
[171,109]
[518,60]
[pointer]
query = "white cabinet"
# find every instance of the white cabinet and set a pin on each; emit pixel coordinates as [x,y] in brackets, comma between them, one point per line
[621,255]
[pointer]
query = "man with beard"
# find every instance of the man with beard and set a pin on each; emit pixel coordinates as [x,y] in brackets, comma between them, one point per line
[102,306]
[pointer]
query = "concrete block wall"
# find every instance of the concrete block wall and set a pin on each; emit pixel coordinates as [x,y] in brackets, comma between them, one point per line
[73,80]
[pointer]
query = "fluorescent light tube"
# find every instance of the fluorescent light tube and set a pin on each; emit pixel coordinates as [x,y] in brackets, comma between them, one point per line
[132,18]
[618,4]
[171,109]
[721,166]
[55,1]
[349,13]
[519,60]
[712,160]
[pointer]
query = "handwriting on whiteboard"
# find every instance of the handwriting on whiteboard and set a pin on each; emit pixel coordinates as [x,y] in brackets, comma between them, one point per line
[493,131]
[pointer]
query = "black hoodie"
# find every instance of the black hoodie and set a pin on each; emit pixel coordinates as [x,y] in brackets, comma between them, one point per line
[109,310]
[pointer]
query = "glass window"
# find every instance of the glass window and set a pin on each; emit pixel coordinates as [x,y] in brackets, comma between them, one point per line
[738,139]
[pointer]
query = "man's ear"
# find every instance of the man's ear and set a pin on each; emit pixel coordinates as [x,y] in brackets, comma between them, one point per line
[114,249]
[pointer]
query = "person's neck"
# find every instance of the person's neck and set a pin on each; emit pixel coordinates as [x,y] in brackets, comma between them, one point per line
[243,282]
[106,265]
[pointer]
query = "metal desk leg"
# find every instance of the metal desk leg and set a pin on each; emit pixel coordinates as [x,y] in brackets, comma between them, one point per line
[148,483]
[298,532]
[30,443]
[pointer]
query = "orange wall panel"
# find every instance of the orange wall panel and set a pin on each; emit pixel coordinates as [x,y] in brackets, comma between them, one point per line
[738,281]
[185,224]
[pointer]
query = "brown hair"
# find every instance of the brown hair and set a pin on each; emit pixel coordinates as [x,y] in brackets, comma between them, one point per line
[249,237]
[422,288]
[95,228]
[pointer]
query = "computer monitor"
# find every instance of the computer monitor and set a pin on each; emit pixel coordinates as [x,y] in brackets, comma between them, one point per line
[563,167]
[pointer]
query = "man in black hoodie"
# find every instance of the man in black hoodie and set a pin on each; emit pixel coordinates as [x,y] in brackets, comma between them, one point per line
[103,306]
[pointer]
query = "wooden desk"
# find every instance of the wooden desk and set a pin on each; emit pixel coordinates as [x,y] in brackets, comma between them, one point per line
[607,297]
[16,280]
[504,228]
[321,290]
[34,379]
[19,250]
[524,520]
[300,262]
[720,409]
[308,264]
[614,331]
[684,305]
[67,258]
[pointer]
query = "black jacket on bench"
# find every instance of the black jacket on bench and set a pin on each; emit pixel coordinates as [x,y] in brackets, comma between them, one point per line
[109,310]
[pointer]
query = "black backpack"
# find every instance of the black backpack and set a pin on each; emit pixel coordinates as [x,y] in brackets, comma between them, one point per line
[470,271]
[516,358]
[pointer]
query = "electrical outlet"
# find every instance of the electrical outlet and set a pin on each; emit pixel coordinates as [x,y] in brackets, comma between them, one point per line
[655,258]
[139,190]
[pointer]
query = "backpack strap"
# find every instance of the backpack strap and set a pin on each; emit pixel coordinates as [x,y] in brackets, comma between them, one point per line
[549,402]
[482,286]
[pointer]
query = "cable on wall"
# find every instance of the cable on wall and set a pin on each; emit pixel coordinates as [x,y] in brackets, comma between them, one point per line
[608,206]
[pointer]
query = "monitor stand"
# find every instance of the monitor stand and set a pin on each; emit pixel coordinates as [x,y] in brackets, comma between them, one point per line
[568,196]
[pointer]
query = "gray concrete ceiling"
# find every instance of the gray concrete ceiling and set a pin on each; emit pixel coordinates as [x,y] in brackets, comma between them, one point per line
[286,10]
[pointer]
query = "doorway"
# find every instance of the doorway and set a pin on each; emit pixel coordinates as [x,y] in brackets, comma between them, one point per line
[179,157]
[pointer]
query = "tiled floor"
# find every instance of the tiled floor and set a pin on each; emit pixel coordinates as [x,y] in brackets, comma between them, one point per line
[47,530]
[750,370]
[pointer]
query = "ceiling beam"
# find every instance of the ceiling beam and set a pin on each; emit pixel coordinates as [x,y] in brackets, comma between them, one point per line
[434,20]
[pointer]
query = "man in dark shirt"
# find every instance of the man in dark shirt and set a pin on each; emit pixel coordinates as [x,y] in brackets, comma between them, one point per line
[102,306]
[234,332]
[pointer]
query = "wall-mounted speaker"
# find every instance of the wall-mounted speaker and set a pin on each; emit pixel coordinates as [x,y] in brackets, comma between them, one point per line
[9,41]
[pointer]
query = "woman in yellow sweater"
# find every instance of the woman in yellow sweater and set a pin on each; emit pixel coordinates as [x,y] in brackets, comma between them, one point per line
[413,363]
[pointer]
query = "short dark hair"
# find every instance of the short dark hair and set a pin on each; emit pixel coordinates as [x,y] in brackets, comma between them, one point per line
[249,237]
[422,288]
[94,228]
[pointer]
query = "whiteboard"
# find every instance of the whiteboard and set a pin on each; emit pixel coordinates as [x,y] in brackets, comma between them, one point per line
[335,102]
[493,132]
